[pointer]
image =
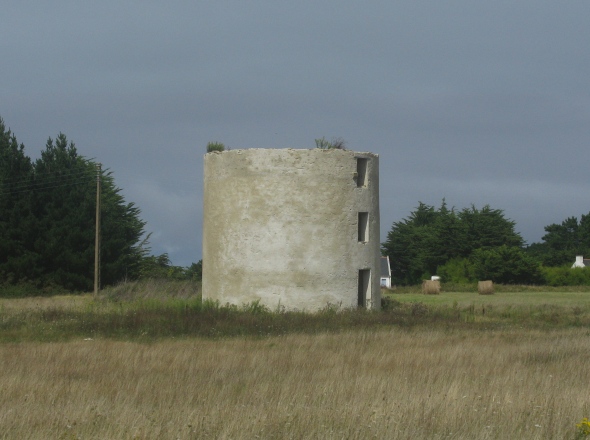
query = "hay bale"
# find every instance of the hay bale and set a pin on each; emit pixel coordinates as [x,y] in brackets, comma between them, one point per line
[430,287]
[485,287]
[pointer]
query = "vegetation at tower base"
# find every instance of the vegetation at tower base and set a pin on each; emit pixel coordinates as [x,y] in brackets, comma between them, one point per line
[47,219]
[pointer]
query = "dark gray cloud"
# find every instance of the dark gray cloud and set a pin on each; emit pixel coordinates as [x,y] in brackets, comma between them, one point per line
[483,103]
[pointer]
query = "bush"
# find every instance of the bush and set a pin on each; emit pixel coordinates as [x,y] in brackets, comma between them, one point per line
[506,265]
[25,289]
[215,146]
[456,270]
[566,276]
[389,303]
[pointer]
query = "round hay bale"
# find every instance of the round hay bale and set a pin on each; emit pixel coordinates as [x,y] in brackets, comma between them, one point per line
[485,287]
[430,287]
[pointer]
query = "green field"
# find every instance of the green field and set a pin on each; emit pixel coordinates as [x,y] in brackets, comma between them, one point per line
[150,312]
[522,298]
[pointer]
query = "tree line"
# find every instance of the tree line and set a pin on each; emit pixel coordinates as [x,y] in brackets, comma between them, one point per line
[47,222]
[47,227]
[473,244]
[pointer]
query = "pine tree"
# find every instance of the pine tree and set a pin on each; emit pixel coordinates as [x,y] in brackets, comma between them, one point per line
[16,219]
[562,242]
[47,219]
[429,238]
[66,212]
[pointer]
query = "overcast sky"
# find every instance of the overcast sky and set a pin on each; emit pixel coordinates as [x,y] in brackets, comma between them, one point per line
[476,102]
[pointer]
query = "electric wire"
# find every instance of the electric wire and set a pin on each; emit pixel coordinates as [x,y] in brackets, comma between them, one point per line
[75,168]
[51,180]
[39,186]
[15,183]
[43,184]
[50,186]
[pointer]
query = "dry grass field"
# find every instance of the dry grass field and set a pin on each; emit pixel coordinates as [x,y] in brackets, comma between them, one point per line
[465,379]
[389,384]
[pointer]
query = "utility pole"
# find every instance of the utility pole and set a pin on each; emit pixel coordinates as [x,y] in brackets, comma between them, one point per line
[97,234]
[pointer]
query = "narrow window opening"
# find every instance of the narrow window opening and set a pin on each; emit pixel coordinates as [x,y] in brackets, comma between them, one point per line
[364,287]
[361,171]
[363,227]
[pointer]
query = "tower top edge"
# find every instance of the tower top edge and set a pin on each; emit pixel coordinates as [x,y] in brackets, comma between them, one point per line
[294,150]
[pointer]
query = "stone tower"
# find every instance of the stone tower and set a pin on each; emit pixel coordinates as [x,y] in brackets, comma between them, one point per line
[292,228]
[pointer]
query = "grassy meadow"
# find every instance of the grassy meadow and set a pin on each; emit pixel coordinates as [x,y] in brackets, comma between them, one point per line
[134,363]
[533,297]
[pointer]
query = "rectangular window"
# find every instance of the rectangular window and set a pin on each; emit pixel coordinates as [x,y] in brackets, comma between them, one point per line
[364,287]
[363,225]
[361,171]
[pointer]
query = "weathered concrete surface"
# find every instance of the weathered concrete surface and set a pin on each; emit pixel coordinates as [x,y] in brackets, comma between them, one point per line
[281,227]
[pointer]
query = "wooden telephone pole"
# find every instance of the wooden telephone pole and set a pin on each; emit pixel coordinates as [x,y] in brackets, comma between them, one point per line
[97,234]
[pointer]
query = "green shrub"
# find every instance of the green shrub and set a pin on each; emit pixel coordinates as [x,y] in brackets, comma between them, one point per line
[25,289]
[215,146]
[388,303]
[506,265]
[566,276]
[456,270]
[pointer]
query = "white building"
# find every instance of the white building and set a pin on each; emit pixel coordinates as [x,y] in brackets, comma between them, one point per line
[581,262]
[385,273]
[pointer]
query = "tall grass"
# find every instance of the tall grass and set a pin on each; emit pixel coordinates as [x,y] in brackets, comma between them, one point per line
[391,383]
[160,289]
[148,318]
[144,362]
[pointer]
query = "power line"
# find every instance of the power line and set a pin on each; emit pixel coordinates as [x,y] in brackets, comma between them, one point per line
[42,186]
[38,176]
[58,171]
[43,183]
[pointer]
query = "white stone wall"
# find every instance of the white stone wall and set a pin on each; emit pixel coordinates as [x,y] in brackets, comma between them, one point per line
[281,227]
